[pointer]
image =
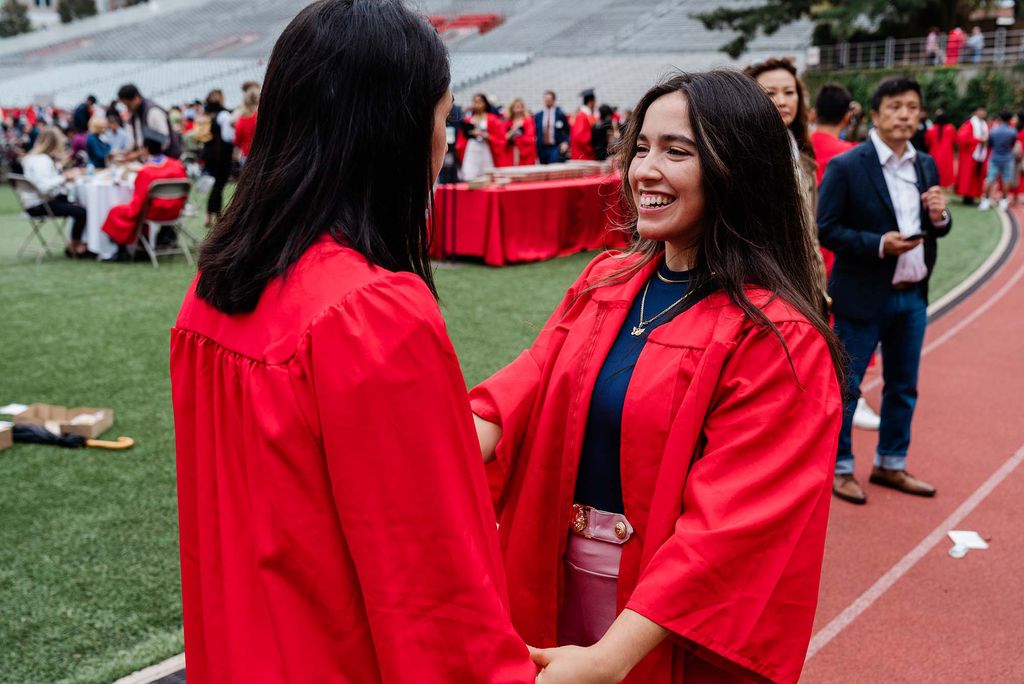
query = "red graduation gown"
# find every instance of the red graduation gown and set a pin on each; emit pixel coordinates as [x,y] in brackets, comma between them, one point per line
[334,518]
[970,178]
[495,138]
[941,149]
[122,219]
[735,576]
[525,145]
[580,146]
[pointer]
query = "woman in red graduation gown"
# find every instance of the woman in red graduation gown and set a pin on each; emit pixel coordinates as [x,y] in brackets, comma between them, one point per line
[334,518]
[480,144]
[661,457]
[580,146]
[972,139]
[123,219]
[520,137]
[940,139]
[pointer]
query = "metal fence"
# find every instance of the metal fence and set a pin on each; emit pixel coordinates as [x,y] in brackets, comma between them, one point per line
[1001,47]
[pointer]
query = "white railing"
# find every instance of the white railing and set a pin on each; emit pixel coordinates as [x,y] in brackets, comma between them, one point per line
[1002,47]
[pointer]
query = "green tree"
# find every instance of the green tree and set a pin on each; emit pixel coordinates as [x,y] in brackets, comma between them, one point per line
[13,19]
[69,10]
[837,20]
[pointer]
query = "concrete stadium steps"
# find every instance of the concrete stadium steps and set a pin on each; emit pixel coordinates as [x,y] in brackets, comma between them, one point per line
[178,81]
[619,80]
[557,27]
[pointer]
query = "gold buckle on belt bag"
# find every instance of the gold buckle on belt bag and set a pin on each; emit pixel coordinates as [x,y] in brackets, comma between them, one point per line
[580,520]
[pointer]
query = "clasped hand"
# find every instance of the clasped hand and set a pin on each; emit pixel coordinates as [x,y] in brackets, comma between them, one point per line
[573,665]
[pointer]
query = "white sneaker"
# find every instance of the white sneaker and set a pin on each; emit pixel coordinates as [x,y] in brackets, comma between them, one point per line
[984,204]
[864,417]
[1004,204]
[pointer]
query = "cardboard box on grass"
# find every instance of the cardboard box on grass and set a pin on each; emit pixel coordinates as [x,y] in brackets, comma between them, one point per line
[6,437]
[61,417]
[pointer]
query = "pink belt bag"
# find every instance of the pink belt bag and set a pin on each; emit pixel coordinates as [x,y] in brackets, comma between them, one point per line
[591,560]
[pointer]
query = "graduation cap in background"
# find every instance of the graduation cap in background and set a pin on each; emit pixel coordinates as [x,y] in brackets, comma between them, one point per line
[587,93]
[151,135]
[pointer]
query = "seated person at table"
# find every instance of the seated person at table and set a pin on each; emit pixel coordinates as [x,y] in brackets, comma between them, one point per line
[124,218]
[97,149]
[40,167]
[116,135]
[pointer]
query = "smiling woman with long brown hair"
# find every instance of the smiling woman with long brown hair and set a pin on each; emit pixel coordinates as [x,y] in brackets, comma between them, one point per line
[661,455]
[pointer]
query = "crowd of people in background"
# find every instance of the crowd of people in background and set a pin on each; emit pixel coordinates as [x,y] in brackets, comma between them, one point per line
[487,136]
[53,147]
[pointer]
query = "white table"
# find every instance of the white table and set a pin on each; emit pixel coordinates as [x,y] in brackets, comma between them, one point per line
[98,195]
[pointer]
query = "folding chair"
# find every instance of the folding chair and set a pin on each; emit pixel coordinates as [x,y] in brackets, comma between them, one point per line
[37,223]
[146,230]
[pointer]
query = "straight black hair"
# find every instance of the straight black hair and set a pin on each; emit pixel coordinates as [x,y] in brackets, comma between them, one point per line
[342,146]
[892,86]
[832,104]
[754,221]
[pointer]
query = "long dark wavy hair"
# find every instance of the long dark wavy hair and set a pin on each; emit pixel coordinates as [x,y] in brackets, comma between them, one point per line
[342,146]
[799,126]
[754,232]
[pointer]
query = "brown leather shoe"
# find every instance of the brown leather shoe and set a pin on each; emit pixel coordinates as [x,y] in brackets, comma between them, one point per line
[902,481]
[847,488]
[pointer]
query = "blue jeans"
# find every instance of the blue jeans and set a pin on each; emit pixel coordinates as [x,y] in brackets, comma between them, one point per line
[900,328]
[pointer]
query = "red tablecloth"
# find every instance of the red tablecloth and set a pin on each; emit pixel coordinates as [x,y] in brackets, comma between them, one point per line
[526,221]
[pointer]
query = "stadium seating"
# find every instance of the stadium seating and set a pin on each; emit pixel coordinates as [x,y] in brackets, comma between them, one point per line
[183,48]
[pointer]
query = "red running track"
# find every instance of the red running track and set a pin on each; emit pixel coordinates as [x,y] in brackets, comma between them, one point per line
[894,606]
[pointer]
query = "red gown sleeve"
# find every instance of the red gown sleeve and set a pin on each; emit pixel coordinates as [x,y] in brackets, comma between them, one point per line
[496,139]
[507,397]
[527,143]
[409,489]
[142,182]
[738,577]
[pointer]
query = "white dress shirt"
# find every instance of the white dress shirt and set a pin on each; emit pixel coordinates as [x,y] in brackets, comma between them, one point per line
[905,193]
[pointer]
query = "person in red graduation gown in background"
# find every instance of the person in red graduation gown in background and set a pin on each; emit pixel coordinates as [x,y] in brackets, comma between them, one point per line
[334,518]
[972,139]
[520,136]
[832,107]
[582,128]
[940,139]
[480,143]
[123,219]
[663,503]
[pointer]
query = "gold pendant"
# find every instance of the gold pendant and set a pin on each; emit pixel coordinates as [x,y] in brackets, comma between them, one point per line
[637,331]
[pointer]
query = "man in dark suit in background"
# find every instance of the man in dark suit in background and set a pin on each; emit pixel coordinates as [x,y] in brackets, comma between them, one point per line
[880,209]
[552,131]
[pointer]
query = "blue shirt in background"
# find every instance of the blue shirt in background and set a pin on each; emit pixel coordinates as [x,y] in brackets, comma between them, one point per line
[1001,140]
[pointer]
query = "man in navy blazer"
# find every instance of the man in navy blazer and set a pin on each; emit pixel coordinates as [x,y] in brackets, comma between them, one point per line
[880,209]
[552,130]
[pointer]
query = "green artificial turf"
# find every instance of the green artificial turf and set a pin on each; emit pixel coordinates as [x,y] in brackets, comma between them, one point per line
[88,545]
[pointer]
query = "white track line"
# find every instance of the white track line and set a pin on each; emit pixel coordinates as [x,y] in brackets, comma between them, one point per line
[875,591]
[981,271]
[155,672]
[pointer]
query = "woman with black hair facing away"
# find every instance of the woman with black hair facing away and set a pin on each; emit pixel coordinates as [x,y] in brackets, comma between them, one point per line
[333,508]
[661,456]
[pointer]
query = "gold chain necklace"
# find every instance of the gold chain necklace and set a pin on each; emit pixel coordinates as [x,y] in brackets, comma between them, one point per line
[666,280]
[639,330]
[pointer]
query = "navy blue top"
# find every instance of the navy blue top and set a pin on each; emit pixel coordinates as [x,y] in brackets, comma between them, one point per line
[598,482]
